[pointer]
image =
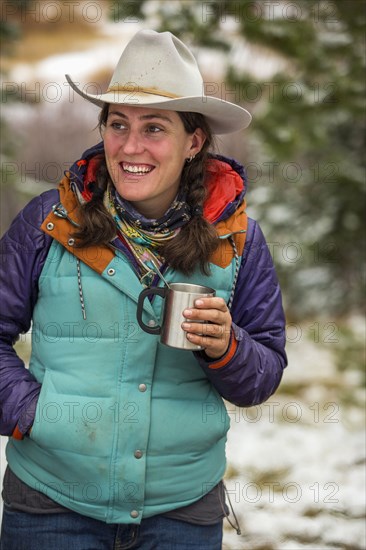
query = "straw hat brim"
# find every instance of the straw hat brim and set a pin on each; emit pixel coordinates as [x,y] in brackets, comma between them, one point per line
[222,116]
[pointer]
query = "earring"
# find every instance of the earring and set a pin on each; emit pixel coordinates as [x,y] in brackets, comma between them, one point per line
[190,158]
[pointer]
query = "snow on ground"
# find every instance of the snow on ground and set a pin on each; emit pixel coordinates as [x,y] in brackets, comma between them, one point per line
[296,465]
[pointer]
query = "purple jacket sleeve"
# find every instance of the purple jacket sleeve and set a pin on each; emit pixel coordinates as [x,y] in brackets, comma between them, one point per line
[23,252]
[255,370]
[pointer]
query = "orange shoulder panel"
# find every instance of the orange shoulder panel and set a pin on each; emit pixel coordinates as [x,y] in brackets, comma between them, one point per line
[60,229]
[236,226]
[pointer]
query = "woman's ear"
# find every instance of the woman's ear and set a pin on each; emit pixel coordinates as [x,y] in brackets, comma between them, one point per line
[198,141]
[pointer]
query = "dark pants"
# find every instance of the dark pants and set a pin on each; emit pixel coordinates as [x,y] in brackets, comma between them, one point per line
[72,531]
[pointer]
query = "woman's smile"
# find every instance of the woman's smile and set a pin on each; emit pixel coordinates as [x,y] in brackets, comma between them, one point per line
[136,169]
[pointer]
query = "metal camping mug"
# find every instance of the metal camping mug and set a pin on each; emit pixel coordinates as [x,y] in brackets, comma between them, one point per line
[177,297]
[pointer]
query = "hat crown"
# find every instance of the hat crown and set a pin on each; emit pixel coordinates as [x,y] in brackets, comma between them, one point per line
[156,70]
[158,61]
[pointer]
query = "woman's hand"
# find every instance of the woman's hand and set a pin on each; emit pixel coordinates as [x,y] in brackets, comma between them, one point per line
[214,335]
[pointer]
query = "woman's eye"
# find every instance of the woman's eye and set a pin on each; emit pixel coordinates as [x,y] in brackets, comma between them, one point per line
[117,126]
[152,129]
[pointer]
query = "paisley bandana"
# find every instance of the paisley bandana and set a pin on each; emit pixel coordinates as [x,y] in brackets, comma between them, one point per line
[143,236]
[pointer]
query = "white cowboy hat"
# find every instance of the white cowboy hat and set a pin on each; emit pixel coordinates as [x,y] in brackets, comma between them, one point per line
[158,70]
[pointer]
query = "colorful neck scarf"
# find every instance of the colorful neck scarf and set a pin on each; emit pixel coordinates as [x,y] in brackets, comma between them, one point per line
[145,237]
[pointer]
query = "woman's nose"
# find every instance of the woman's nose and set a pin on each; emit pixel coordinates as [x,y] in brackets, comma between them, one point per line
[133,143]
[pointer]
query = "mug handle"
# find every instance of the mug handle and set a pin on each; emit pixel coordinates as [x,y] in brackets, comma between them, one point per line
[140,304]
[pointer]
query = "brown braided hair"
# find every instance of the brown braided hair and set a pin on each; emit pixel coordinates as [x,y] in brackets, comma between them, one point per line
[197,239]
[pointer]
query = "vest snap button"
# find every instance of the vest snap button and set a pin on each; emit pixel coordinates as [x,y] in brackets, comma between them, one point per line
[138,453]
[50,226]
[111,272]
[142,387]
[151,323]
[134,514]
[71,242]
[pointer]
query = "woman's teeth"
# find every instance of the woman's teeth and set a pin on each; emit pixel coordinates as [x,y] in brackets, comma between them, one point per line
[136,169]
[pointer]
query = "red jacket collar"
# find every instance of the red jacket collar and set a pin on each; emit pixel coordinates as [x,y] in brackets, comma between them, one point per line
[224,185]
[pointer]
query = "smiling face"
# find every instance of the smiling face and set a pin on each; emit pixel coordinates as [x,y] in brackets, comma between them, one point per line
[145,153]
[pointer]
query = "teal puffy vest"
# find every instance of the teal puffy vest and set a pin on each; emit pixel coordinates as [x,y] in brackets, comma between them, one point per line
[125,427]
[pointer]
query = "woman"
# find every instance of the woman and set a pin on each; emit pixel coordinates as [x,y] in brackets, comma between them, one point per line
[115,440]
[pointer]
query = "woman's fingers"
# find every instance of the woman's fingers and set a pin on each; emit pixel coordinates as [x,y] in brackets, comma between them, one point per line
[208,325]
